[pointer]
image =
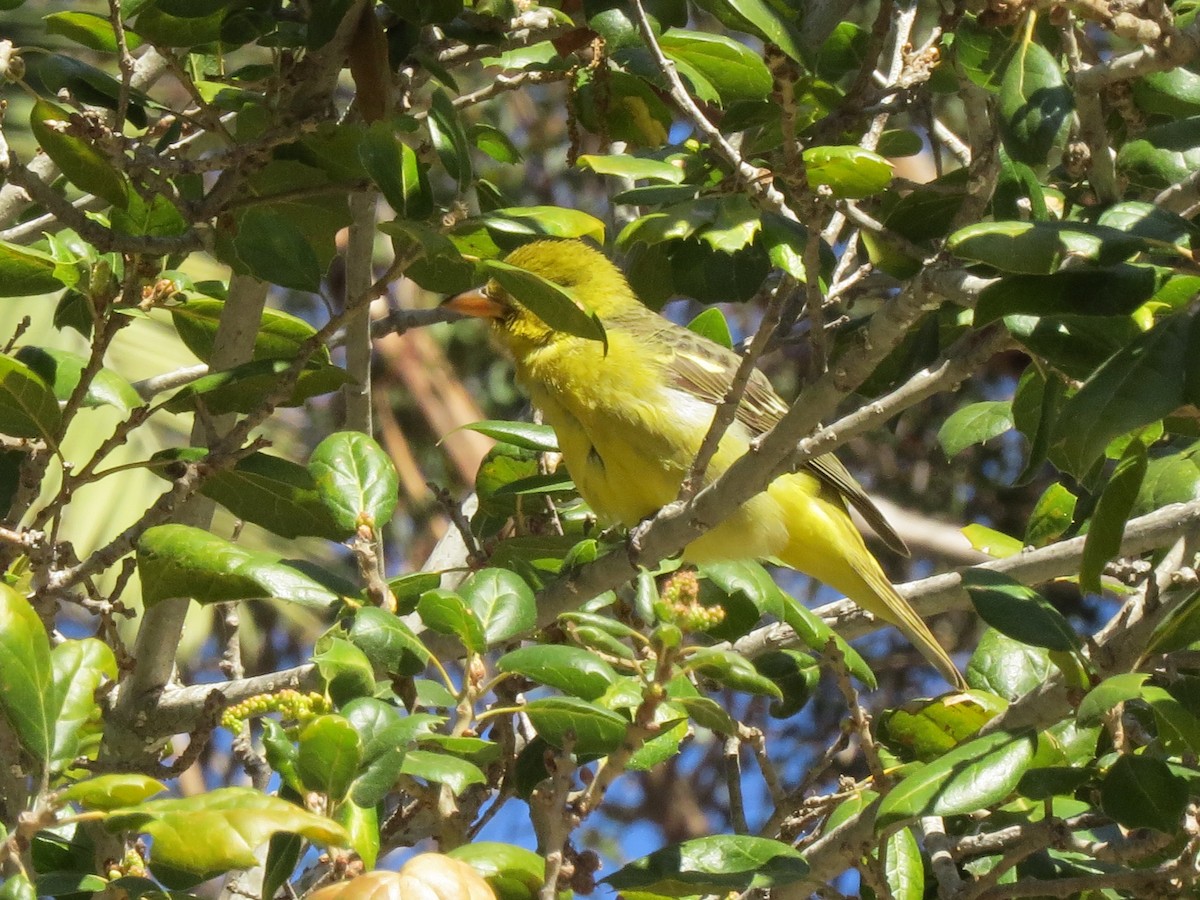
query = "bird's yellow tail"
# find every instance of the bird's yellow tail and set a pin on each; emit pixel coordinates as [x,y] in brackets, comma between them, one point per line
[824,543]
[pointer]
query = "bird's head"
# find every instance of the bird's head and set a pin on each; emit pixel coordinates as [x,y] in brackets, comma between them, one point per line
[587,273]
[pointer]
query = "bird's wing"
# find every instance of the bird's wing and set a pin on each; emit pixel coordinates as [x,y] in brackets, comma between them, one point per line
[706,369]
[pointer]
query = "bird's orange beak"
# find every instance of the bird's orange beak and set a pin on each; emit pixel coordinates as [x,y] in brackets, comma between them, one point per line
[475,303]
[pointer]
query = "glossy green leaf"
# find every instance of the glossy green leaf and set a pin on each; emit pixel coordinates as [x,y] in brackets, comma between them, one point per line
[1036,404]
[79,668]
[733,670]
[330,752]
[274,493]
[711,324]
[92,30]
[1179,629]
[1018,611]
[61,370]
[548,221]
[28,407]
[274,248]
[1149,221]
[181,561]
[457,774]
[1143,792]
[345,668]
[1174,92]
[26,676]
[971,777]
[214,832]
[981,52]
[526,435]
[572,670]
[850,172]
[386,738]
[995,544]
[243,388]
[1104,697]
[81,163]
[88,84]
[1162,155]
[436,264]
[717,864]
[597,731]
[925,729]
[447,613]
[974,424]
[553,304]
[388,642]
[636,168]
[633,112]
[1138,385]
[449,138]
[280,335]
[1107,527]
[763,18]
[1052,515]
[356,480]
[25,272]
[902,867]
[1039,248]
[107,792]
[1115,291]
[501,601]
[733,70]
[395,169]
[514,873]
[796,675]
[494,142]
[1036,105]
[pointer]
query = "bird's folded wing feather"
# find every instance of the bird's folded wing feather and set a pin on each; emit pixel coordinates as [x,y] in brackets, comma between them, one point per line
[706,370]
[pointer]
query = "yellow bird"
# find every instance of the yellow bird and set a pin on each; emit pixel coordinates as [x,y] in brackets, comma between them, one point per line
[630,422]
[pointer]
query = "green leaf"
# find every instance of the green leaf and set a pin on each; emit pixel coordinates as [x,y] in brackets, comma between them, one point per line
[553,304]
[216,831]
[1179,629]
[345,668]
[636,168]
[279,335]
[712,325]
[1051,517]
[1040,248]
[28,407]
[449,138]
[437,264]
[1174,93]
[633,112]
[274,248]
[494,142]
[1143,792]
[763,18]
[572,670]
[388,642]
[850,172]
[502,602]
[1107,527]
[1138,385]
[902,867]
[526,435]
[386,737]
[717,864]
[330,753]
[514,873]
[1018,611]
[79,668]
[243,388]
[995,544]
[796,674]
[457,774]
[1114,291]
[105,792]
[79,161]
[971,777]
[1105,696]
[395,169]
[92,30]
[731,68]
[25,272]
[733,670]
[356,480]
[62,370]
[548,221]
[1162,155]
[1036,105]
[925,729]
[26,677]
[597,731]
[181,561]
[974,424]
[447,613]
[274,493]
